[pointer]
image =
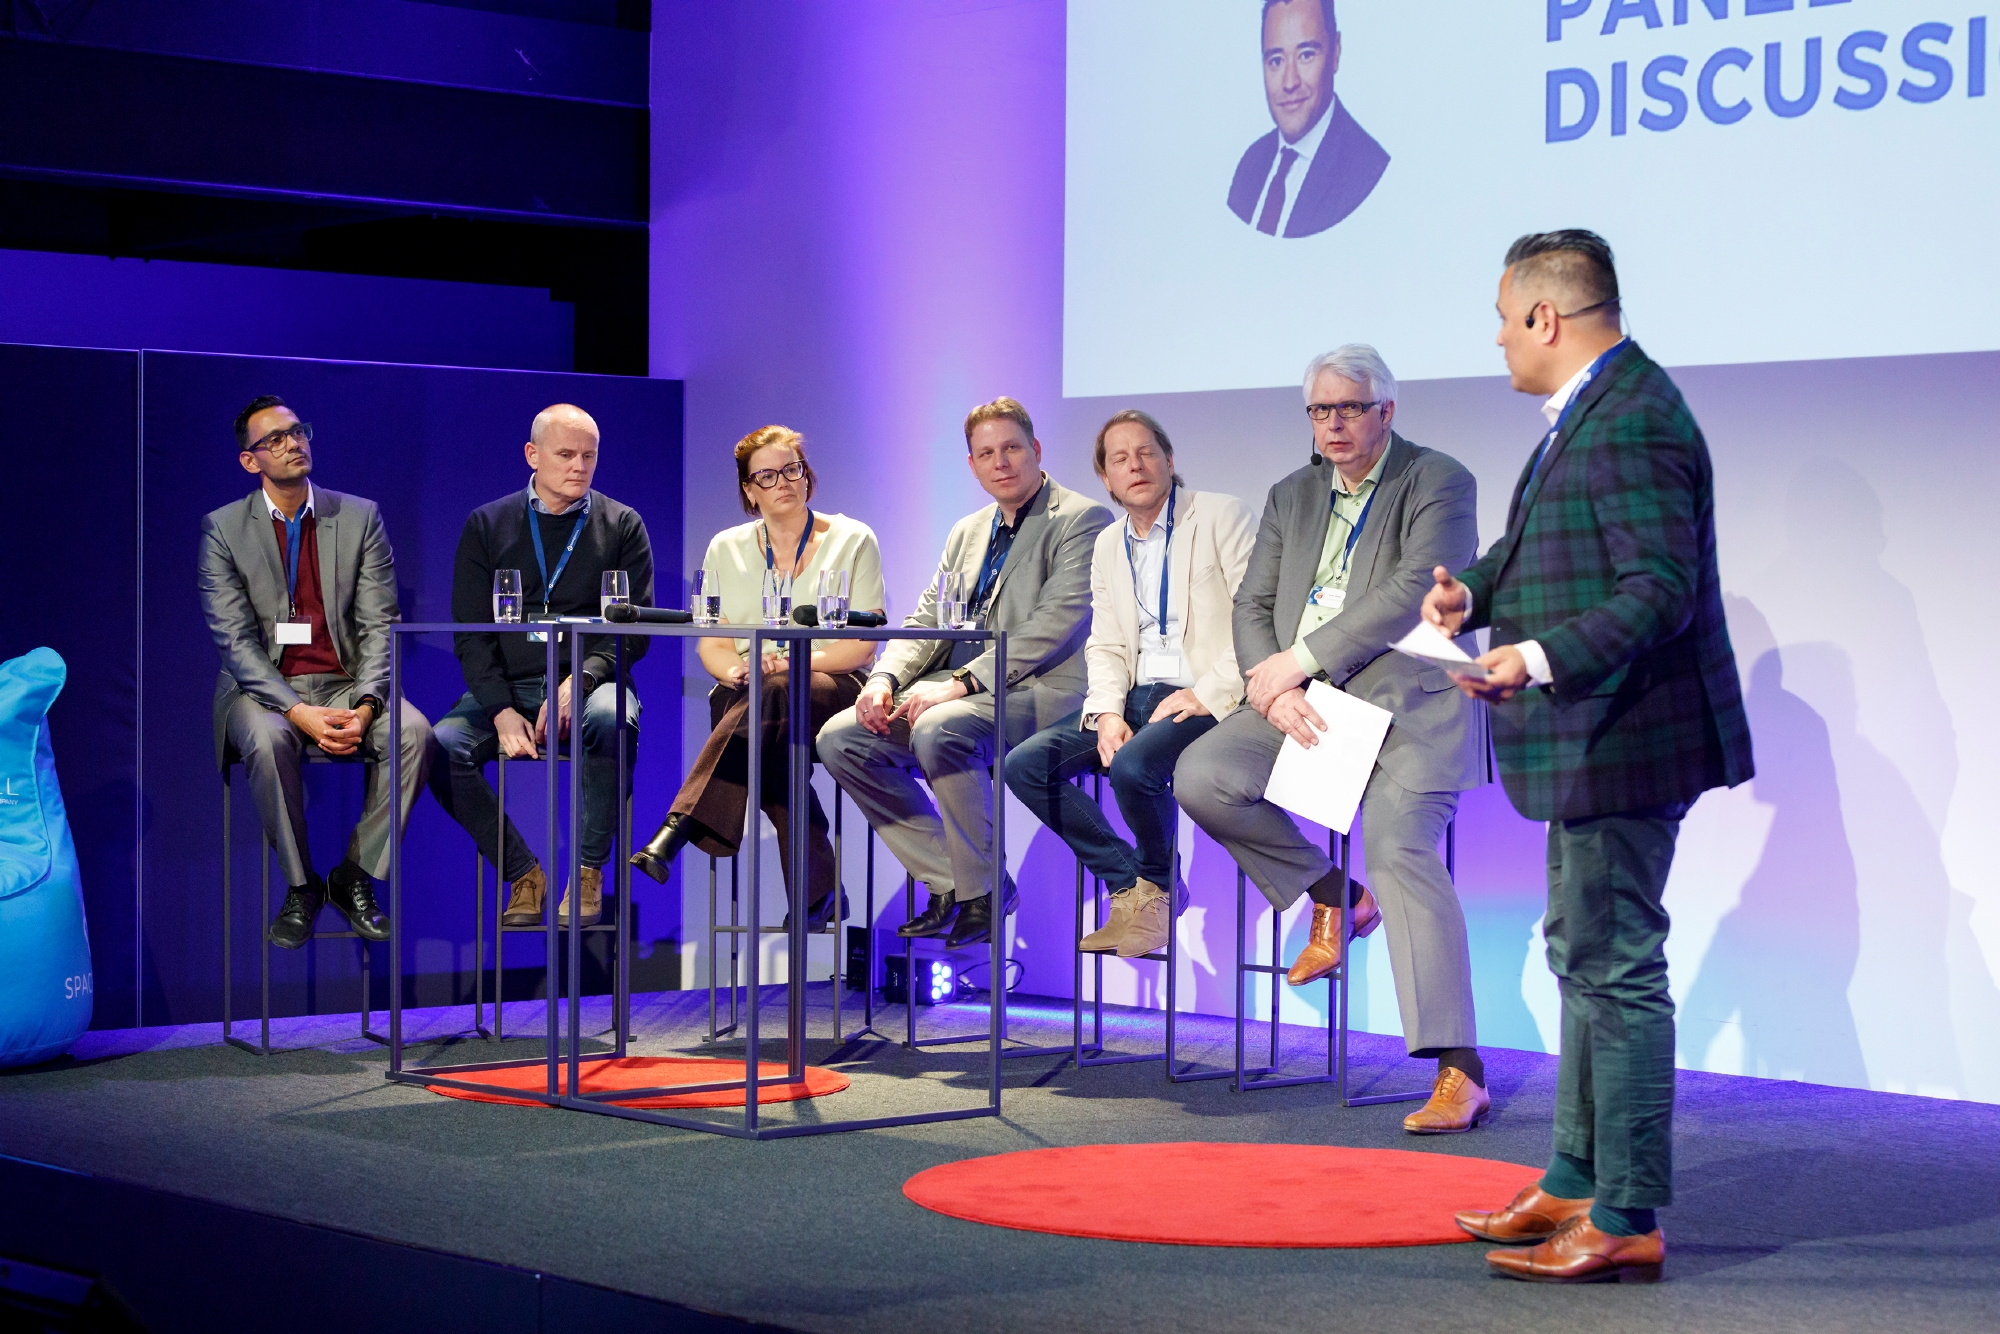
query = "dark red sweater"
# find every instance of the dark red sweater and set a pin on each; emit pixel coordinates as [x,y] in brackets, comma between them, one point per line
[318,656]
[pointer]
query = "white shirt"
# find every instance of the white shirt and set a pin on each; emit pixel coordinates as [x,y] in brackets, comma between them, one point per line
[1146,556]
[279,514]
[1306,147]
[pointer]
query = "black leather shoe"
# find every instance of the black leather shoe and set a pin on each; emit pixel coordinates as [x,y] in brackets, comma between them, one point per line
[352,891]
[293,925]
[975,918]
[656,859]
[933,921]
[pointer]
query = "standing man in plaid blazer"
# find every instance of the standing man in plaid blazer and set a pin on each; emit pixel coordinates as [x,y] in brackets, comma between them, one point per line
[1616,706]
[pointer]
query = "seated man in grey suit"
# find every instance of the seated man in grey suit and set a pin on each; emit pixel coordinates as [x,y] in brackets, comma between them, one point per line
[1329,586]
[298,586]
[928,707]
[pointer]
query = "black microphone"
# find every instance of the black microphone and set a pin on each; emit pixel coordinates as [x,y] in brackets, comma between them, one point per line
[625,613]
[856,620]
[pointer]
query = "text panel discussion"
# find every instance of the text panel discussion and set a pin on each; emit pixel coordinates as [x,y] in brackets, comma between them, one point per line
[994,665]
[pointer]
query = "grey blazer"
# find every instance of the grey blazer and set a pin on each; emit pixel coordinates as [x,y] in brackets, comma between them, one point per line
[1042,599]
[243,594]
[1424,515]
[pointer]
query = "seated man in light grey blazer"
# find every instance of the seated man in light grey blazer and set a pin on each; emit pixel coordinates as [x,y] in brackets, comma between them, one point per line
[928,707]
[1343,559]
[1162,664]
[299,589]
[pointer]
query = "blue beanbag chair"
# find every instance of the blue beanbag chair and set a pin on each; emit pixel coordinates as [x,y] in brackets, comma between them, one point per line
[45,991]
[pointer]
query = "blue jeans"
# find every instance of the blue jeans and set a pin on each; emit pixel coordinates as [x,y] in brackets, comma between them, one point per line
[1040,770]
[469,742]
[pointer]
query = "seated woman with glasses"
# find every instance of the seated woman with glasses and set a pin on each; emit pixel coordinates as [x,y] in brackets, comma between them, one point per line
[786,540]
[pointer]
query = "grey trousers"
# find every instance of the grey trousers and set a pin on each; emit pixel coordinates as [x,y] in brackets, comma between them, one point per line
[1220,783]
[952,747]
[270,747]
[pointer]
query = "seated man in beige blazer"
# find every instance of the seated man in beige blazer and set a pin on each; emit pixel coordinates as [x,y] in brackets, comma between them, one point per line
[1162,663]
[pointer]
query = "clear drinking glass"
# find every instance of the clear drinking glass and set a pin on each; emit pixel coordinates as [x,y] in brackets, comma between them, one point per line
[506,597]
[833,599]
[616,588]
[705,598]
[950,600]
[777,598]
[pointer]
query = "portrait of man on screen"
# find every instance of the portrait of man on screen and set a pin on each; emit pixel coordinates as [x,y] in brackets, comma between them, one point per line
[1317,165]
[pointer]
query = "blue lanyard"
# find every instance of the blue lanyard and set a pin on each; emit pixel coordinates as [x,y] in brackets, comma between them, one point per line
[1354,534]
[294,535]
[541,561]
[1166,560]
[1589,374]
[989,569]
[771,562]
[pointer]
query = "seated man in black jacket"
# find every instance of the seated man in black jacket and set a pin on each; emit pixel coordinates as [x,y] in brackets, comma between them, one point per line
[562,536]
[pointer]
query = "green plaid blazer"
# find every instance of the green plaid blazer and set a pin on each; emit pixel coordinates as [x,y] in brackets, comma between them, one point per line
[1608,562]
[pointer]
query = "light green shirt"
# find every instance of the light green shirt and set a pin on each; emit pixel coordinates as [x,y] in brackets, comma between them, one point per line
[1334,563]
[735,561]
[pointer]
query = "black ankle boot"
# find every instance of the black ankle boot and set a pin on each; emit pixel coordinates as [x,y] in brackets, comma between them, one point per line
[352,891]
[933,921]
[293,925]
[656,859]
[975,918]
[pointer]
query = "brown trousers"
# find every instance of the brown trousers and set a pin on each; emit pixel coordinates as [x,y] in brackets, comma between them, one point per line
[716,791]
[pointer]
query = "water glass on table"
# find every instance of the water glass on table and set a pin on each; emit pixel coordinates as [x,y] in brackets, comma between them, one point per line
[705,598]
[777,598]
[950,599]
[833,592]
[507,597]
[615,589]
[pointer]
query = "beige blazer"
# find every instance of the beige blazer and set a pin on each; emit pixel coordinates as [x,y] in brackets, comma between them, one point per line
[1213,537]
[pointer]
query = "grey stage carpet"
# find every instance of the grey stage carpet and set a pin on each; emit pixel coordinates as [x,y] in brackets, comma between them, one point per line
[1799,1207]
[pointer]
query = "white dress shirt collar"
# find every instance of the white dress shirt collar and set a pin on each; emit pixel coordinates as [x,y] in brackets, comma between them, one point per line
[279,514]
[1553,409]
[539,506]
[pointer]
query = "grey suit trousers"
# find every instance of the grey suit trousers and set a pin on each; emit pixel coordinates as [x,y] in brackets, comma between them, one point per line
[270,748]
[1220,783]
[952,746]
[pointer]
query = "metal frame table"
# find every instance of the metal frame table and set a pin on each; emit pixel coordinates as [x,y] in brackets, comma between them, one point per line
[564,1060]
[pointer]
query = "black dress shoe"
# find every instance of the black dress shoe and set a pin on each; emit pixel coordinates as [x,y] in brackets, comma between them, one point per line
[975,918]
[933,921]
[656,859]
[293,925]
[352,891]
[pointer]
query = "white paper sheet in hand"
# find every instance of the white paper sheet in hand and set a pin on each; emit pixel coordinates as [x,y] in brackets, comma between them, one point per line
[1430,644]
[1325,783]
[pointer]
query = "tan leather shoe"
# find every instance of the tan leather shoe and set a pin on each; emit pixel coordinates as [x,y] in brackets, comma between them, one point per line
[593,898]
[1323,947]
[1533,1216]
[1579,1253]
[1152,919]
[524,904]
[1456,1106]
[1105,939]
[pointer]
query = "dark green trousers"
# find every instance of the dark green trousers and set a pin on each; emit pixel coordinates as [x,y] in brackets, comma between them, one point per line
[1607,934]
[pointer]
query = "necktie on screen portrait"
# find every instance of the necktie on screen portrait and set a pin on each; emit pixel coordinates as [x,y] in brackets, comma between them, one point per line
[1274,198]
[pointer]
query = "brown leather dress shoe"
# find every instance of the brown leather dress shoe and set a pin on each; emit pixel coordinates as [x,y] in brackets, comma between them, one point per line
[1323,947]
[592,881]
[1456,1106]
[1533,1216]
[1579,1253]
[524,904]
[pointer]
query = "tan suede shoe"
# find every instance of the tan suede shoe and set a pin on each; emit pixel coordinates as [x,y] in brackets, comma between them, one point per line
[1105,939]
[1456,1106]
[524,904]
[593,898]
[1579,1253]
[1151,921]
[1323,947]
[1534,1215]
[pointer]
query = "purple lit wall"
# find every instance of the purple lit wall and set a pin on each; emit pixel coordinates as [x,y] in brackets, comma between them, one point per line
[858,231]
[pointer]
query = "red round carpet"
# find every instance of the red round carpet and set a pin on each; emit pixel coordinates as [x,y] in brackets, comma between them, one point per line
[646,1072]
[1224,1194]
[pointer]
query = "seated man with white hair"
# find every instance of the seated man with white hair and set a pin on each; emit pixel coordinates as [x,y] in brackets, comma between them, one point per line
[562,537]
[1342,562]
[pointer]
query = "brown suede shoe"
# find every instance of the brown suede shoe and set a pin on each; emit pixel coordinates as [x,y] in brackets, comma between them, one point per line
[1105,939]
[1152,919]
[1456,1106]
[1533,1216]
[593,898]
[1579,1253]
[524,905]
[1323,948]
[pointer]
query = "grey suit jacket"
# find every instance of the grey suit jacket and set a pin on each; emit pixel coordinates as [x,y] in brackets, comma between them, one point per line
[243,594]
[1042,599]
[1424,515]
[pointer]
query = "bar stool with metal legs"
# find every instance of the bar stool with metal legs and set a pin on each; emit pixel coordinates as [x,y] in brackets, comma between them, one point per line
[262,1047]
[1248,1077]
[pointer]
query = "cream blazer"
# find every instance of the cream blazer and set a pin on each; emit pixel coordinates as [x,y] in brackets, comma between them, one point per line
[1213,535]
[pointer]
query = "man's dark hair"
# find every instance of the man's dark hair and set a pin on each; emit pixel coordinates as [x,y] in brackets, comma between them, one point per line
[1325,9]
[1572,268]
[251,409]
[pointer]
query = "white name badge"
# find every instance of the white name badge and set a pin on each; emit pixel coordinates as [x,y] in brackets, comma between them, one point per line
[1329,599]
[1160,666]
[294,632]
